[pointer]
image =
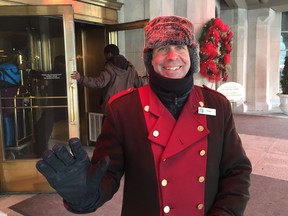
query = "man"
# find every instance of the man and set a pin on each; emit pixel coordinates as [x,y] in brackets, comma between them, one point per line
[118,74]
[175,142]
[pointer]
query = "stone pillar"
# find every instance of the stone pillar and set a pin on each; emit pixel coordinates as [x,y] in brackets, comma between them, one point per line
[237,21]
[260,65]
[161,7]
[200,12]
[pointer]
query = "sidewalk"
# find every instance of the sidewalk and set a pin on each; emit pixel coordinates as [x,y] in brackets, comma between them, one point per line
[265,139]
[265,142]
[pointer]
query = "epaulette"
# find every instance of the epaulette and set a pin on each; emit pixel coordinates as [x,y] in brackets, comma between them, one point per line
[213,90]
[120,94]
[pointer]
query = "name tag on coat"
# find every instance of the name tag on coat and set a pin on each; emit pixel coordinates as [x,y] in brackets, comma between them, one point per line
[207,111]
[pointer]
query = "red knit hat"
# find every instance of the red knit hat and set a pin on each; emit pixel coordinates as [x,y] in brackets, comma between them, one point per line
[165,30]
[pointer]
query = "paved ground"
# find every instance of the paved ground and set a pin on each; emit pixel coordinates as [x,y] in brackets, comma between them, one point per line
[265,139]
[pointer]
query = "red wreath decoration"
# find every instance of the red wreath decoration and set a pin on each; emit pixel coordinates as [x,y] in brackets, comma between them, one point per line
[215,48]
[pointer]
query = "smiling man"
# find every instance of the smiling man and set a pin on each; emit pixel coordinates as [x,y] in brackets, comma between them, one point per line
[175,142]
[171,61]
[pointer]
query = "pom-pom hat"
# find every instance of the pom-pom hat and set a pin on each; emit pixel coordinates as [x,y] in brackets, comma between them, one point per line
[168,30]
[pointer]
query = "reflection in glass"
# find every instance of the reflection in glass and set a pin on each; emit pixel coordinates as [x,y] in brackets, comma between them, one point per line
[33,95]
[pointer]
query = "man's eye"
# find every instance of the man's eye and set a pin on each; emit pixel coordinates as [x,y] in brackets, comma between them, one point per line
[161,48]
[180,47]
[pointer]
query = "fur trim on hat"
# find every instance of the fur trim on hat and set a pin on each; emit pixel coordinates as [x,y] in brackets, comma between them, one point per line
[168,30]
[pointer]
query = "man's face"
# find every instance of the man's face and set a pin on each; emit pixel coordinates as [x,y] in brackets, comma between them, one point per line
[172,61]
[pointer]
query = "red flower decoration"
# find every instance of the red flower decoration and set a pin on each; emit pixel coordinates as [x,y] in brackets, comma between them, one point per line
[226,58]
[209,48]
[215,48]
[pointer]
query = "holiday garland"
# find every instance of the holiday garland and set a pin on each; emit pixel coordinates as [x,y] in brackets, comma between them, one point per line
[215,48]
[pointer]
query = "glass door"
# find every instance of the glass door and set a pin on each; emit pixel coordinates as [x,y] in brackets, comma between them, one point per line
[38,99]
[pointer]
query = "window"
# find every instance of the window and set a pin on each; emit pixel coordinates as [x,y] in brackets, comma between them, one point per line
[284,39]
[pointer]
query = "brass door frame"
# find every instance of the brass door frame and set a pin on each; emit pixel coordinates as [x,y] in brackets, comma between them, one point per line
[21,175]
[123,27]
[127,26]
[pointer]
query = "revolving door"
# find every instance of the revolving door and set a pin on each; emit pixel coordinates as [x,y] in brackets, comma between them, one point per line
[38,100]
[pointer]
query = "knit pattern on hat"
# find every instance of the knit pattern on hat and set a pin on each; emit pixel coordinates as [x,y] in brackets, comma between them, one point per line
[168,30]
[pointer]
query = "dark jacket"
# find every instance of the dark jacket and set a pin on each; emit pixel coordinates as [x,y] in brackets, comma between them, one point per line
[117,75]
[124,139]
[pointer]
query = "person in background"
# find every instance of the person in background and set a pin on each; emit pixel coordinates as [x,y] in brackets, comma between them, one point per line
[118,74]
[175,142]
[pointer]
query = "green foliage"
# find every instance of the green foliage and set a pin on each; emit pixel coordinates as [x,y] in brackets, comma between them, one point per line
[284,77]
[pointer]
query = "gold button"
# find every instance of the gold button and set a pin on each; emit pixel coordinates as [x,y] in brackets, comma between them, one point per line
[200,206]
[164,182]
[201,103]
[146,108]
[202,153]
[155,133]
[201,179]
[200,128]
[166,209]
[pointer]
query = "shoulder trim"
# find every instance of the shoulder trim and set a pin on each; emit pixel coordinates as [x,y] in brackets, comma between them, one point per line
[213,90]
[120,94]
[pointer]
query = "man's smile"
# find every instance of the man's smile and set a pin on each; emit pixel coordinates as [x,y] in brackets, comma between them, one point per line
[172,68]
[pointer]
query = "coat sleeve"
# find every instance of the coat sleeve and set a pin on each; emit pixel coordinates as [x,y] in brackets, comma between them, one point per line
[99,81]
[138,81]
[109,143]
[228,164]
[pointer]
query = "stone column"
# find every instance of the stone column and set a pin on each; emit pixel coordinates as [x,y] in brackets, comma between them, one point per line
[237,21]
[260,66]
[200,12]
[161,7]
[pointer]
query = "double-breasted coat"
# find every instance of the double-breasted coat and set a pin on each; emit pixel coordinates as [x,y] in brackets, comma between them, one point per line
[193,166]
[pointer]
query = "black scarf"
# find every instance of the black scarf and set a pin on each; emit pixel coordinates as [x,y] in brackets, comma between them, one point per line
[172,92]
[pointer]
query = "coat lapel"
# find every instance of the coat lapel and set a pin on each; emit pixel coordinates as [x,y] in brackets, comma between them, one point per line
[190,128]
[163,129]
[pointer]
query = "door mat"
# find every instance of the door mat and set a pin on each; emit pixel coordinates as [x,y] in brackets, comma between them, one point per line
[52,205]
[268,197]
[41,204]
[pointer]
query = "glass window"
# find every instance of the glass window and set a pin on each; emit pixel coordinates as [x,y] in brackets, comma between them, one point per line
[284,38]
[33,97]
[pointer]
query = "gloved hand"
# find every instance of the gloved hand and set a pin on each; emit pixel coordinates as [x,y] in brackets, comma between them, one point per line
[72,175]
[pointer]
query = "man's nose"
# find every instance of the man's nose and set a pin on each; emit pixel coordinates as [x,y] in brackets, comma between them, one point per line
[172,54]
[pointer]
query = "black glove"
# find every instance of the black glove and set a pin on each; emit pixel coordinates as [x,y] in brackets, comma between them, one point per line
[73,176]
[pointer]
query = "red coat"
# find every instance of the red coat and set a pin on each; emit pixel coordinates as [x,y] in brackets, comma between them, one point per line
[195,166]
